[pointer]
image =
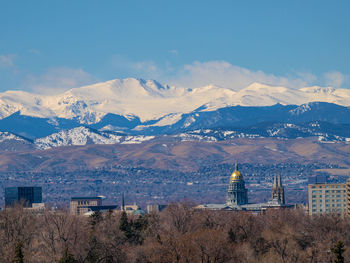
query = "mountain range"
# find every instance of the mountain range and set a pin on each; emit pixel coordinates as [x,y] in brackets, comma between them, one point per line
[135,110]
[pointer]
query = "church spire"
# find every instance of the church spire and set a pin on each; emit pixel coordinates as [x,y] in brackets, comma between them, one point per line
[236,166]
[279,179]
[278,189]
[123,203]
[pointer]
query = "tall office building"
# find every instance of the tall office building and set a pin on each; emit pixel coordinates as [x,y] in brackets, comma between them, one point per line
[27,195]
[327,198]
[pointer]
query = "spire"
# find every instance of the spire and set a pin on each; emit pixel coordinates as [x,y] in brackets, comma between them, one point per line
[123,203]
[236,166]
[275,180]
[279,179]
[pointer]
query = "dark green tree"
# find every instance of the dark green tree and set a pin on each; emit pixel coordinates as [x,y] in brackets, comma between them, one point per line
[338,251]
[232,236]
[124,223]
[19,257]
[67,257]
[96,218]
[133,230]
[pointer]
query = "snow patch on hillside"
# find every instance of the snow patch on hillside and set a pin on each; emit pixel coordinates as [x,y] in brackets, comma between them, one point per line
[137,139]
[5,136]
[76,136]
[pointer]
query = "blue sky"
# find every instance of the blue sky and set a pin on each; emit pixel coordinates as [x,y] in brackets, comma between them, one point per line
[50,46]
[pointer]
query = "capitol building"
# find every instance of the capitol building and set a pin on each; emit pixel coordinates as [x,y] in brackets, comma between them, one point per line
[237,196]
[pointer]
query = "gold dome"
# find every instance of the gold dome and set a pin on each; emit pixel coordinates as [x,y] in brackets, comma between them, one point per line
[236,175]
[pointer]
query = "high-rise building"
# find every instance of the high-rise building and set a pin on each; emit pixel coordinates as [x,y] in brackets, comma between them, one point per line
[236,193]
[328,198]
[347,187]
[278,190]
[27,195]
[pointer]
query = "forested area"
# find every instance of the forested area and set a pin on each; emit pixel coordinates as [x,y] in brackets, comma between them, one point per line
[177,234]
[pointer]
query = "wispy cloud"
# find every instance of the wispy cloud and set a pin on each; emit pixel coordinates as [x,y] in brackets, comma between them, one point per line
[57,80]
[7,61]
[335,79]
[196,74]
[174,51]
[140,69]
[224,74]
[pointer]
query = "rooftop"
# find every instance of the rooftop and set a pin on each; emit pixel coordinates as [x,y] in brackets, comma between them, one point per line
[85,198]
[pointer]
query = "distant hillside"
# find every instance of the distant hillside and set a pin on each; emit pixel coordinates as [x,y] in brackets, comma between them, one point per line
[176,154]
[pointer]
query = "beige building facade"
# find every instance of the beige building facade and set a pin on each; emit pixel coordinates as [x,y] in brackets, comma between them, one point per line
[328,198]
[80,205]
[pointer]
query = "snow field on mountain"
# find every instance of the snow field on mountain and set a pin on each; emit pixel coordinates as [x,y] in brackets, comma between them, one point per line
[4,136]
[76,136]
[150,100]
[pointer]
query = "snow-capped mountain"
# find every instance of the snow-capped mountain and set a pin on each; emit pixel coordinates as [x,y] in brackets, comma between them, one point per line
[135,110]
[149,100]
[7,136]
[325,132]
[84,136]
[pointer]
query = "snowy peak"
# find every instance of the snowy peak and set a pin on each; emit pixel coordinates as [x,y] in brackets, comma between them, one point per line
[149,100]
[256,86]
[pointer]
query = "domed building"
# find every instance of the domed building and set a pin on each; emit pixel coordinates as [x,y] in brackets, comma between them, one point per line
[237,196]
[237,193]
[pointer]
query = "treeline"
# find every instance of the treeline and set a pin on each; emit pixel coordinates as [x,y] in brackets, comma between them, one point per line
[177,234]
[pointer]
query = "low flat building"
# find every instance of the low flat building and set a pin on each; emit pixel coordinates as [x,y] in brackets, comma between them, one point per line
[132,209]
[101,208]
[154,208]
[80,205]
[327,198]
